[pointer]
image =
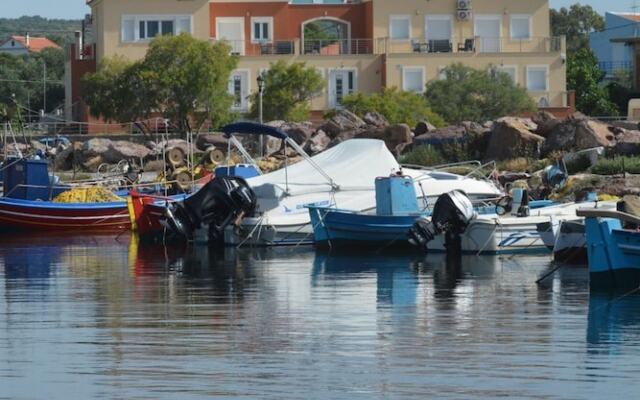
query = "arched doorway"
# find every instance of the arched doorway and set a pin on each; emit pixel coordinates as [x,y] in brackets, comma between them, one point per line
[326,35]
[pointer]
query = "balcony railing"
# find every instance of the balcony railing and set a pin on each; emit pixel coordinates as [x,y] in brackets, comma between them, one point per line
[476,45]
[248,48]
[338,47]
[334,47]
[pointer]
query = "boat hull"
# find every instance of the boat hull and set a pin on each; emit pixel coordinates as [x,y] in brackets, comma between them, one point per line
[26,215]
[335,227]
[614,254]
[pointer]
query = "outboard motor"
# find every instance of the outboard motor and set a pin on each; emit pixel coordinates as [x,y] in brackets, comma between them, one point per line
[554,177]
[452,214]
[216,204]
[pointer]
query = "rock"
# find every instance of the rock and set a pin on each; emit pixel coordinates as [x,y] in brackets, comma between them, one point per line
[629,125]
[95,147]
[375,119]
[92,163]
[318,142]
[342,121]
[271,144]
[397,134]
[439,136]
[206,140]
[488,125]
[64,159]
[472,127]
[342,136]
[511,138]
[577,133]
[546,122]
[423,127]
[300,133]
[124,150]
[628,142]
[527,122]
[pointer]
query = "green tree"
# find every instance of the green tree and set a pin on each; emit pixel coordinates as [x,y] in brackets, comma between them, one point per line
[183,78]
[584,76]
[397,106]
[575,23]
[288,89]
[467,94]
[22,79]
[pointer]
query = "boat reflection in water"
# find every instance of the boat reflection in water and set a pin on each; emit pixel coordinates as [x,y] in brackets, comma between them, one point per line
[614,320]
[108,317]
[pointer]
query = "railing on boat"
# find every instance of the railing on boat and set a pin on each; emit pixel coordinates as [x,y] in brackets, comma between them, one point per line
[600,213]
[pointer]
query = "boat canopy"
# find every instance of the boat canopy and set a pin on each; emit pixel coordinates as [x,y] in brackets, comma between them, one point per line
[351,165]
[254,129]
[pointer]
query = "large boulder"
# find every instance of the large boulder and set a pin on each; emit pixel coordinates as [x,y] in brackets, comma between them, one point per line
[546,122]
[375,119]
[342,121]
[300,132]
[577,133]
[125,150]
[511,138]
[628,142]
[64,158]
[439,136]
[423,127]
[392,135]
[473,128]
[95,147]
[342,136]
[318,142]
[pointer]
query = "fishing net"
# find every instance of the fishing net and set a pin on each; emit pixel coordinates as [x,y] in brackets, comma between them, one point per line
[86,195]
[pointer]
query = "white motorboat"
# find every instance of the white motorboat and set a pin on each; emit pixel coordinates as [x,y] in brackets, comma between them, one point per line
[565,234]
[493,233]
[342,177]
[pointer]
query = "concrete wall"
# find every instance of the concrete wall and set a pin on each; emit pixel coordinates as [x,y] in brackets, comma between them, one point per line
[108,14]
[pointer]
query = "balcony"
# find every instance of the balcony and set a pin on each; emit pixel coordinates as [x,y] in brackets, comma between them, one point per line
[338,47]
[475,45]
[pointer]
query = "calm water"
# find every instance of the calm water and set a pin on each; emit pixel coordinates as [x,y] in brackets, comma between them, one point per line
[99,318]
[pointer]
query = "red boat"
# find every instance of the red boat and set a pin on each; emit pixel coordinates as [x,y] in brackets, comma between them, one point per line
[18,214]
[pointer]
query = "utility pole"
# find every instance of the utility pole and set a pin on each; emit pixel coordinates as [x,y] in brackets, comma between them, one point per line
[44,86]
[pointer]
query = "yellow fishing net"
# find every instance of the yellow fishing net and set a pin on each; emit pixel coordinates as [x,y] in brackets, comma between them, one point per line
[86,195]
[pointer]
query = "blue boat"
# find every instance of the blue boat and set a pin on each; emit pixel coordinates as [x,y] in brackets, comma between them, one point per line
[396,211]
[613,251]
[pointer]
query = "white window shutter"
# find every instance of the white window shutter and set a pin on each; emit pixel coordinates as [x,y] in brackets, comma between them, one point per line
[128,29]
[183,24]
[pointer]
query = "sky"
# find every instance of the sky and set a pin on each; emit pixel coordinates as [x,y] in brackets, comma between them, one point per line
[76,9]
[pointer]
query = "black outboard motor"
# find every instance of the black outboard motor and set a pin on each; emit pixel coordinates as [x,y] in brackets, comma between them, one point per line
[452,214]
[217,204]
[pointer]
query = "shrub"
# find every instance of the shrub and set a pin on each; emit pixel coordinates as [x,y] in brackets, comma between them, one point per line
[467,94]
[617,165]
[579,164]
[522,164]
[423,155]
[397,106]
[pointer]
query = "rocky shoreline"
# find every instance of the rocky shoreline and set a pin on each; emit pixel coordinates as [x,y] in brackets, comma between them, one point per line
[538,137]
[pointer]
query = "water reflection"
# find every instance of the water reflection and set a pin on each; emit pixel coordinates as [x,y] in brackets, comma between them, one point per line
[121,319]
[614,319]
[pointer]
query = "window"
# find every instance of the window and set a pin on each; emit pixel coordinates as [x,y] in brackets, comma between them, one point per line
[520,27]
[231,29]
[400,27]
[510,70]
[438,27]
[239,88]
[261,29]
[413,79]
[537,78]
[145,27]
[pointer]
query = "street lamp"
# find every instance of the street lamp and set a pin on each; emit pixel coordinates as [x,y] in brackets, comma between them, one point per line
[260,91]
